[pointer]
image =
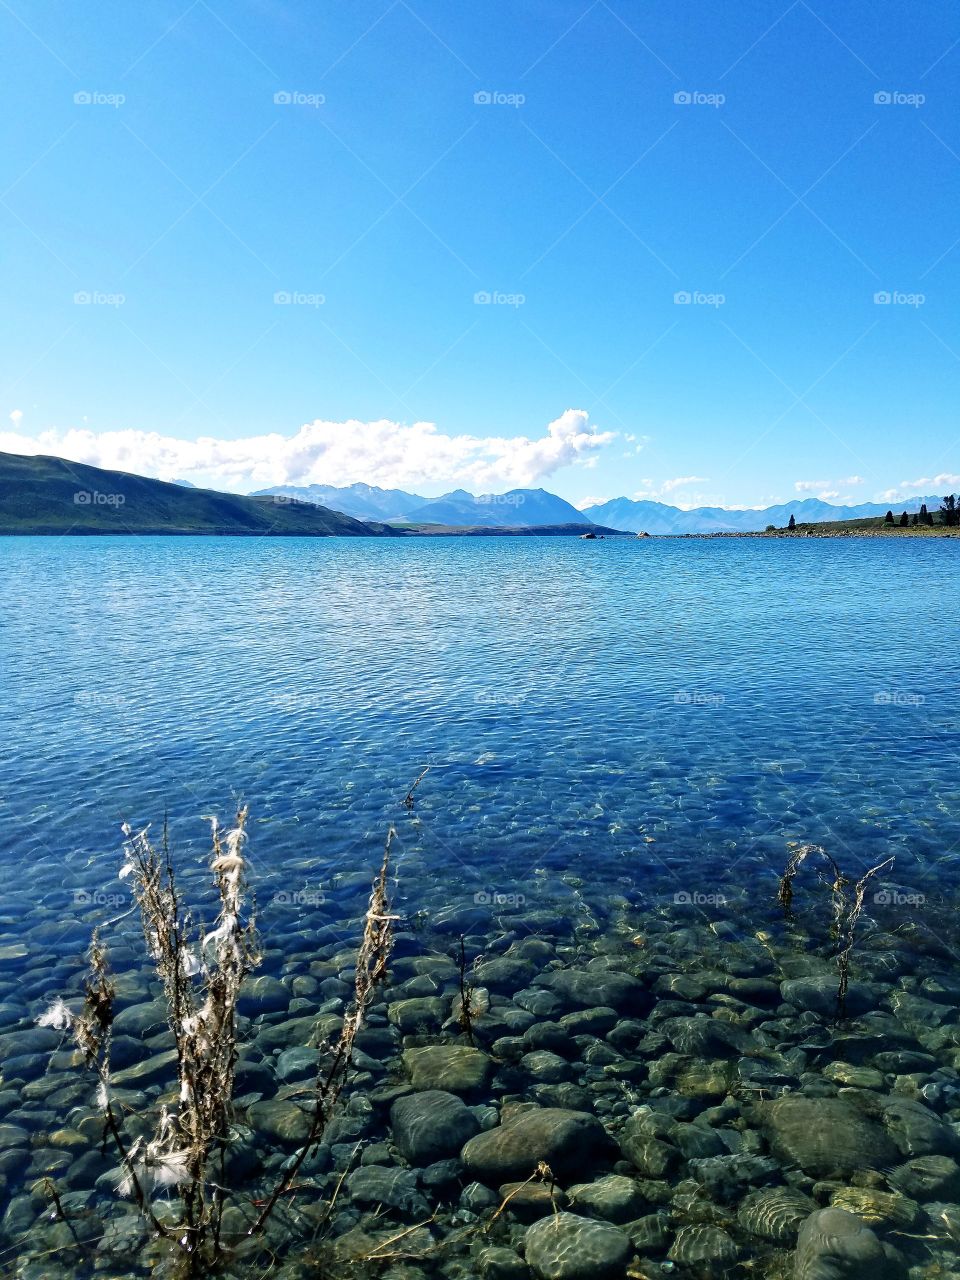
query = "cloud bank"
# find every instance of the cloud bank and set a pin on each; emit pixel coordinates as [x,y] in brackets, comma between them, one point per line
[390,454]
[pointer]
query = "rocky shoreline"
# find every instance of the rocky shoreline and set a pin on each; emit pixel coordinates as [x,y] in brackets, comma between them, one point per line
[645,1094]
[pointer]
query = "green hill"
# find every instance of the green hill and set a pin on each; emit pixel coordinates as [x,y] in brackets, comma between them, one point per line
[42,495]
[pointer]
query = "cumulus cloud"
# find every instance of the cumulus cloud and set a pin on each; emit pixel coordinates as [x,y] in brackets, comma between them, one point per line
[826,488]
[582,503]
[391,454]
[681,482]
[16,417]
[945,482]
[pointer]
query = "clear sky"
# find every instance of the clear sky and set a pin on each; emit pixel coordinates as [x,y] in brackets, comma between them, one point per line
[186,165]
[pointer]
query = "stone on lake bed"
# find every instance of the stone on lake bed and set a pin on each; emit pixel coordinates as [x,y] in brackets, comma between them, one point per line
[927,1178]
[835,1245]
[588,988]
[826,1137]
[775,1213]
[161,1067]
[565,1140]
[565,1246]
[878,1208]
[529,1201]
[396,1188]
[430,1125]
[451,1067]
[818,994]
[613,1198]
[704,1247]
[279,1121]
[263,995]
[418,1015]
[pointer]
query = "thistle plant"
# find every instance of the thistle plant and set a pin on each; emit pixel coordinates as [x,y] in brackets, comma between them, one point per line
[847,903]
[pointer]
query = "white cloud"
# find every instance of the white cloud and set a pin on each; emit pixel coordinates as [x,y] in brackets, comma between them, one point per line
[391,454]
[945,482]
[679,482]
[821,487]
[582,503]
[16,417]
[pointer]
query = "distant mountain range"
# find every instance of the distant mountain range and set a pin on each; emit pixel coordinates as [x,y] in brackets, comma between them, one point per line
[520,508]
[43,495]
[658,517]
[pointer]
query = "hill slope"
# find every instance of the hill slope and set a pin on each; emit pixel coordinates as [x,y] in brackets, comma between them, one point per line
[43,495]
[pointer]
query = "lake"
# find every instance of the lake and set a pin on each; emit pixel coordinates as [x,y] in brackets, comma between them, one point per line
[623,737]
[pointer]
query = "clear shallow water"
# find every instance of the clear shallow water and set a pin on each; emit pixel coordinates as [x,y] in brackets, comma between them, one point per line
[622,736]
[573,699]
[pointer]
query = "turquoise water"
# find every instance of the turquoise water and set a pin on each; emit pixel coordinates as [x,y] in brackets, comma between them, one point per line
[622,738]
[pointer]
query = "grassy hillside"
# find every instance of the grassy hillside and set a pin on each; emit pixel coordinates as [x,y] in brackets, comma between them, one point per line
[41,495]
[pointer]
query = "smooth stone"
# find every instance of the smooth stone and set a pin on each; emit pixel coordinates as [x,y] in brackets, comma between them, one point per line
[842,1073]
[263,995]
[497,1263]
[298,1063]
[916,1130]
[705,1037]
[420,1015]
[529,1201]
[397,1188]
[565,1140]
[545,1066]
[818,994]
[430,1125]
[835,1245]
[613,1198]
[825,1136]
[878,1208]
[506,974]
[283,1122]
[552,1038]
[775,1213]
[927,1178]
[564,1246]
[703,1246]
[587,988]
[155,1070]
[452,1068]
[599,1021]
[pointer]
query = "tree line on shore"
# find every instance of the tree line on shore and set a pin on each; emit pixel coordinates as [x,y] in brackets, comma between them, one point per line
[948,513]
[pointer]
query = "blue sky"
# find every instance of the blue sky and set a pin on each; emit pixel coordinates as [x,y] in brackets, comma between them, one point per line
[222,223]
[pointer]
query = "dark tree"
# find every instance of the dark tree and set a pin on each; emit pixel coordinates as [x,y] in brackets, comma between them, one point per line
[888,518]
[791,524]
[948,509]
[925,516]
[914,520]
[904,520]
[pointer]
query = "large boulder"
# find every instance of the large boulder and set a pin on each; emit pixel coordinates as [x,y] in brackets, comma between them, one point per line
[454,1068]
[587,988]
[565,1140]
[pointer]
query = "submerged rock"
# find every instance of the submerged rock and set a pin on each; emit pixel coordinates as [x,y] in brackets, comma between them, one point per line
[835,1245]
[566,1140]
[587,988]
[775,1213]
[707,1248]
[430,1125]
[453,1068]
[564,1246]
[825,1136]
